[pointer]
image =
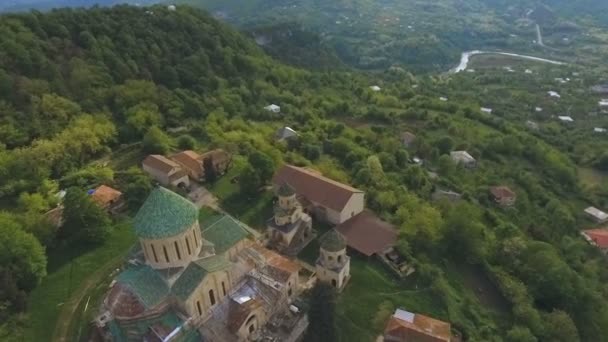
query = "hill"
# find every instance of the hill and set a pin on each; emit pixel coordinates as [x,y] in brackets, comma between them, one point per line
[45,5]
[86,94]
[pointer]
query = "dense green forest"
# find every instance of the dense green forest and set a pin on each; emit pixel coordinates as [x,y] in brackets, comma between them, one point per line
[78,88]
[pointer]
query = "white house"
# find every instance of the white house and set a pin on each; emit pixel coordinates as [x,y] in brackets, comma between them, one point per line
[486,110]
[554,94]
[599,130]
[538,109]
[603,103]
[273,108]
[325,199]
[171,8]
[564,118]
[444,99]
[375,88]
[286,133]
[464,158]
[596,214]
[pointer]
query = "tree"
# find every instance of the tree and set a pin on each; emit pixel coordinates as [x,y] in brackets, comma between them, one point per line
[186,142]
[445,145]
[143,116]
[263,165]
[137,185]
[559,327]
[210,171]
[520,334]
[156,141]
[249,181]
[321,316]
[84,220]
[21,255]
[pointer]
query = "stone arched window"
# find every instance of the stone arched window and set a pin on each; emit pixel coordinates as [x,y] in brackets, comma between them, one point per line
[224,289]
[188,246]
[339,258]
[166,253]
[198,307]
[154,253]
[211,297]
[179,255]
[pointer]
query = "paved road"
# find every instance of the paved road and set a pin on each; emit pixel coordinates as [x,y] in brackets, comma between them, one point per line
[539,36]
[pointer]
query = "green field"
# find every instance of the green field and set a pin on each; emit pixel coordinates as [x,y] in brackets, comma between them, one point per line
[68,273]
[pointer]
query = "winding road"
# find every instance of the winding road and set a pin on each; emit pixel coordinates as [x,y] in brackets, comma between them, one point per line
[466,57]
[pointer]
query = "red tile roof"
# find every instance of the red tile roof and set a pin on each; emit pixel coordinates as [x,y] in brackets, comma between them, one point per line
[367,233]
[599,236]
[316,188]
[501,192]
[104,195]
[420,329]
[191,161]
[158,162]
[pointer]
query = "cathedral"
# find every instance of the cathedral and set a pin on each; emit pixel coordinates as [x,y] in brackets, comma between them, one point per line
[191,281]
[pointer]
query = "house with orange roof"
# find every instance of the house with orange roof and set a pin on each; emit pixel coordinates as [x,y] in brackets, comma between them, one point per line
[166,171]
[503,196]
[107,198]
[406,326]
[597,237]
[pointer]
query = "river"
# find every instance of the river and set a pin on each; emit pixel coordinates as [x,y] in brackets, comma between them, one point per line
[466,57]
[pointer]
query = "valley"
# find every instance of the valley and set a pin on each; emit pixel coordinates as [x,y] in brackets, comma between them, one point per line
[485,173]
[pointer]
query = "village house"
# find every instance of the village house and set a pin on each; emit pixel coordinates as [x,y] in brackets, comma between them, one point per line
[554,94]
[286,133]
[333,265]
[596,214]
[599,130]
[463,158]
[166,171]
[273,108]
[375,88]
[191,281]
[197,165]
[404,326]
[107,198]
[290,230]
[503,196]
[407,139]
[532,125]
[565,118]
[486,110]
[450,196]
[598,238]
[368,234]
[191,162]
[325,199]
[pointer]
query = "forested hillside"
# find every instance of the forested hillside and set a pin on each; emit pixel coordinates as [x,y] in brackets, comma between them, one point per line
[85,94]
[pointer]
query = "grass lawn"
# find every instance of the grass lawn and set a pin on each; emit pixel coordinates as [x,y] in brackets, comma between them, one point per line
[68,269]
[360,314]
[252,211]
[591,177]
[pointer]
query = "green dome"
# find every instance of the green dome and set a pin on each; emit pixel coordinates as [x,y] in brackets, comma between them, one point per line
[333,241]
[164,214]
[286,190]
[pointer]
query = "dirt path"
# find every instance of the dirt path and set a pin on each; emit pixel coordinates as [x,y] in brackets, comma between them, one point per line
[67,314]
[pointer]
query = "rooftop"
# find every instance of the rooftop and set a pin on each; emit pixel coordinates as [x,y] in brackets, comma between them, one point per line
[407,326]
[462,156]
[315,188]
[162,163]
[145,283]
[224,232]
[164,214]
[105,195]
[598,236]
[596,213]
[196,272]
[333,241]
[367,233]
[500,192]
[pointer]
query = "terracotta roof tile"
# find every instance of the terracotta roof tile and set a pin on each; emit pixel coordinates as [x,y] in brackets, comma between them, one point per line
[420,329]
[599,236]
[156,161]
[105,195]
[500,192]
[367,233]
[315,187]
[191,161]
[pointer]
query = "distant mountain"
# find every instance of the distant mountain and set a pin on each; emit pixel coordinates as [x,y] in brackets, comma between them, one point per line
[45,5]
